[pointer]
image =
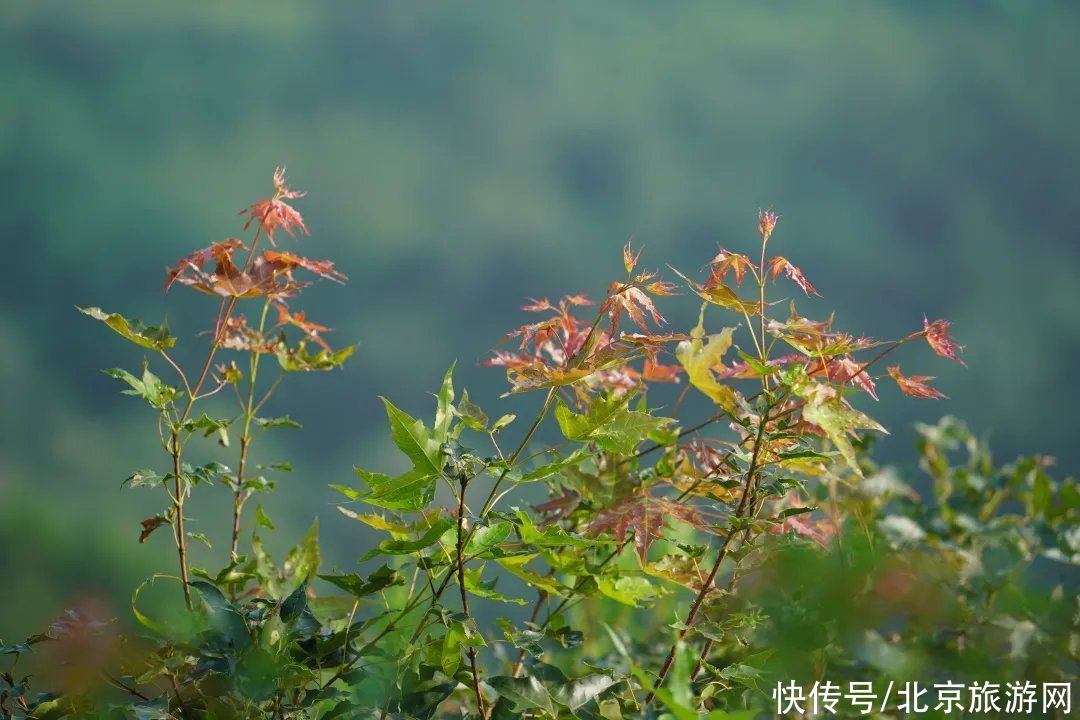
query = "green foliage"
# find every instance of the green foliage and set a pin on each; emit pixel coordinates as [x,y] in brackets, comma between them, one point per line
[609,424]
[151,338]
[757,545]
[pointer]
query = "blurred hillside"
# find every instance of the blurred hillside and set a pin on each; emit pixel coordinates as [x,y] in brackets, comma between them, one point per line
[460,156]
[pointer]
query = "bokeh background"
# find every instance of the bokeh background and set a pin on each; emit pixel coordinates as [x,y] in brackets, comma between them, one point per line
[460,156]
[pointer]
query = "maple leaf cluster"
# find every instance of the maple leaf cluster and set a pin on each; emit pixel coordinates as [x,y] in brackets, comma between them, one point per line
[565,350]
[274,213]
[584,359]
[232,271]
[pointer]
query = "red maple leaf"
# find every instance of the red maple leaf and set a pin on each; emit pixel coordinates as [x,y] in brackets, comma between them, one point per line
[646,517]
[725,262]
[286,262]
[940,338]
[766,223]
[273,213]
[635,302]
[219,252]
[299,319]
[559,507]
[846,369]
[915,385]
[781,264]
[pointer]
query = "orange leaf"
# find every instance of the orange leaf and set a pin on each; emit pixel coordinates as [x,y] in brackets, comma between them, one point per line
[915,385]
[726,262]
[299,319]
[219,252]
[286,262]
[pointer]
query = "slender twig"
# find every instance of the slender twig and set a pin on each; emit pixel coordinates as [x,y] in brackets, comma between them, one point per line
[176,691]
[241,494]
[179,372]
[761,308]
[178,520]
[571,595]
[708,645]
[683,433]
[517,453]
[489,503]
[175,447]
[471,652]
[113,680]
[541,597]
[691,616]
[373,643]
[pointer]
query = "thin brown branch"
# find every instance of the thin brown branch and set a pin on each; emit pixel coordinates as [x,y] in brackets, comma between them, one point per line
[695,607]
[471,652]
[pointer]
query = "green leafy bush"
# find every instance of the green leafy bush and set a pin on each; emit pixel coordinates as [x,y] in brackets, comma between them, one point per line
[679,568]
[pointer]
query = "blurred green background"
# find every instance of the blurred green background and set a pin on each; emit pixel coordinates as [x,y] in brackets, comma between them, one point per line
[924,158]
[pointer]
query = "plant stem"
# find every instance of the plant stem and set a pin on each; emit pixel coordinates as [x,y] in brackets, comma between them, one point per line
[548,401]
[178,519]
[541,597]
[614,554]
[225,310]
[691,616]
[707,647]
[471,652]
[371,644]
[240,497]
[517,453]
[761,302]
[489,502]
[115,681]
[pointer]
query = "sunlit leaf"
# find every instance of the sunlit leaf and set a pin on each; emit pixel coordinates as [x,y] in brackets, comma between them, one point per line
[515,565]
[444,409]
[262,519]
[940,339]
[915,385]
[411,491]
[577,693]
[430,537]
[149,387]
[780,264]
[302,562]
[283,421]
[609,424]
[828,411]
[524,694]
[485,537]
[631,590]
[502,422]
[154,338]
[699,356]
[414,440]
[470,414]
